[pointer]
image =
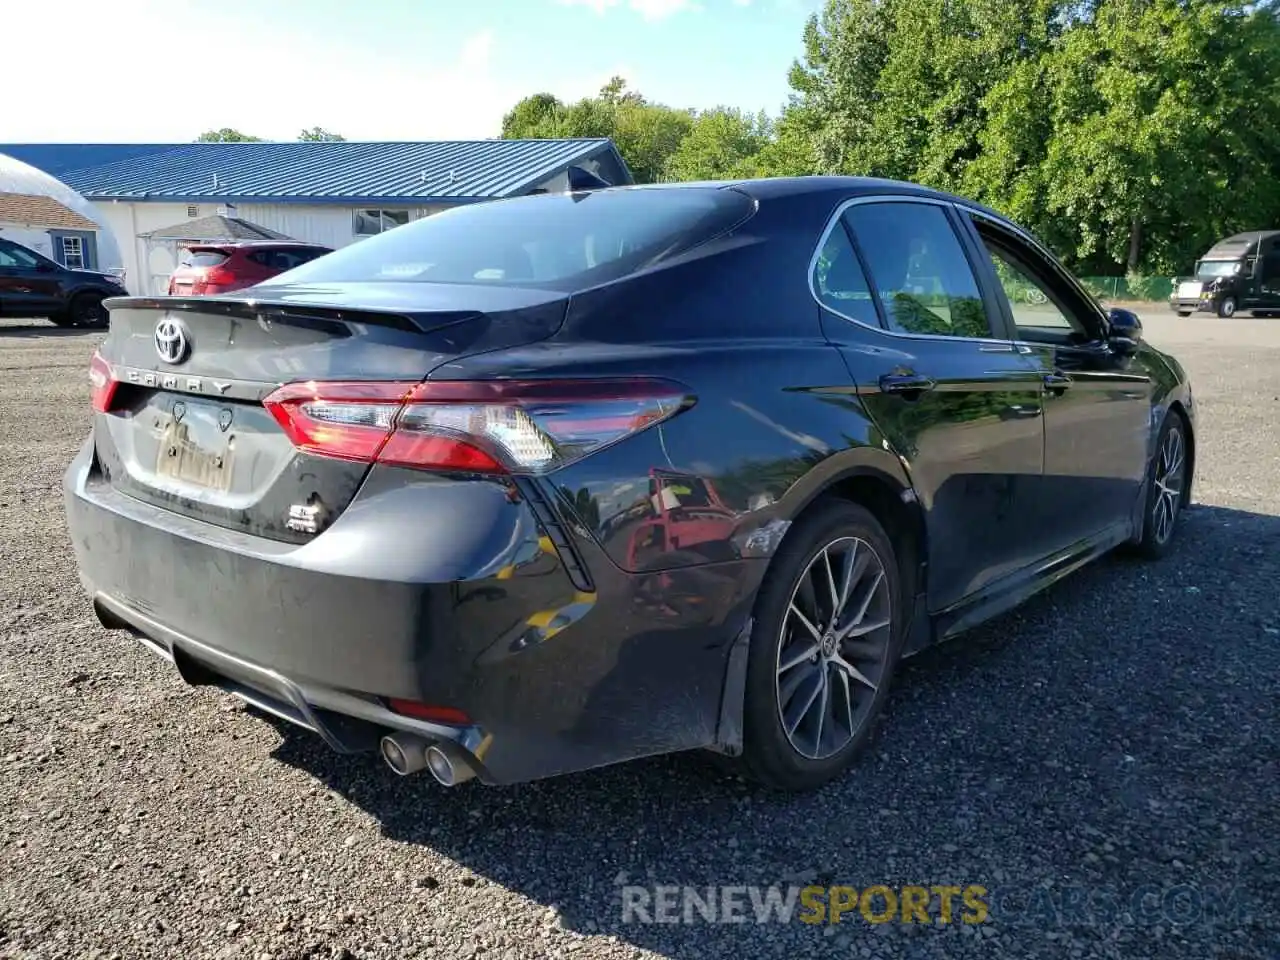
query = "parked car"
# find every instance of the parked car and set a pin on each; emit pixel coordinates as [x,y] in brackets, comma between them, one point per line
[1241,272]
[32,285]
[208,268]
[430,493]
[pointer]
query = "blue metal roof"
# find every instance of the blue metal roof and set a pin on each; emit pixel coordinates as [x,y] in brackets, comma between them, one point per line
[350,171]
[56,159]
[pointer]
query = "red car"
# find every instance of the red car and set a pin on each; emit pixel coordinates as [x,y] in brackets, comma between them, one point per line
[221,267]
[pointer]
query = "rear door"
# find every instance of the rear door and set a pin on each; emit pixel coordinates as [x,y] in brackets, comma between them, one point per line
[1097,408]
[940,378]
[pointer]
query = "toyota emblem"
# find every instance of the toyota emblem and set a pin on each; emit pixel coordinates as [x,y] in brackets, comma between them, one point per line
[171,341]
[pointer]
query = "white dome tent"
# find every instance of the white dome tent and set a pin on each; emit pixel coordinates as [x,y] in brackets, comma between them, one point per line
[18,179]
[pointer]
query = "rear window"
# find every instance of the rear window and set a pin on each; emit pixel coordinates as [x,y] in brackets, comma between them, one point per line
[560,241]
[284,259]
[202,258]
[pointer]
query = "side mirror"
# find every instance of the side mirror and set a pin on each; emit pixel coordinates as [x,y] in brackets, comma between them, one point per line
[44,266]
[1125,331]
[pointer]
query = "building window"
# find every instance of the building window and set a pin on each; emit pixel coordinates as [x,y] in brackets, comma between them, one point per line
[73,253]
[192,212]
[366,223]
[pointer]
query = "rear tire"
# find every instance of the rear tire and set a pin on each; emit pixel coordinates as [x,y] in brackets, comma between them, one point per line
[826,637]
[1166,483]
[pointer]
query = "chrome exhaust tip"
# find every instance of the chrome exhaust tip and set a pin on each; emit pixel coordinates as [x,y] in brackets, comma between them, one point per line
[448,766]
[403,752]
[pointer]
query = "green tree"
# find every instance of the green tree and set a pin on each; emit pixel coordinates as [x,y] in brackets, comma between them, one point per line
[540,116]
[1128,133]
[720,143]
[646,134]
[1165,129]
[320,134]
[226,135]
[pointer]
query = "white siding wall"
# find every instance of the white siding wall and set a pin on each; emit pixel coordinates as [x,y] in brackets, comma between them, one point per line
[127,220]
[329,224]
[35,238]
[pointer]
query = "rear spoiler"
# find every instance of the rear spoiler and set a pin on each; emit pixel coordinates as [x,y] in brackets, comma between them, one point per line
[248,308]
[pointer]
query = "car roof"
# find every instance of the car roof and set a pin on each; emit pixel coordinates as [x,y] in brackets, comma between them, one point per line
[839,187]
[1238,245]
[254,245]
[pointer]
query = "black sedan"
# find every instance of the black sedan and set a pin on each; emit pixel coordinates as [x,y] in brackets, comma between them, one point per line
[542,484]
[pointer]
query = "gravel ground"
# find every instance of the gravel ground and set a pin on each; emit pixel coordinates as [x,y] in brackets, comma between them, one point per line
[1113,742]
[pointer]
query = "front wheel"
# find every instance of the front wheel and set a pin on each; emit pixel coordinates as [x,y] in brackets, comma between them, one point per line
[1166,480]
[1227,308]
[823,648]
[85,310]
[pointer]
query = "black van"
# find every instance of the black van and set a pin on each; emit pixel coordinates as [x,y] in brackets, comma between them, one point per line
[1239,273]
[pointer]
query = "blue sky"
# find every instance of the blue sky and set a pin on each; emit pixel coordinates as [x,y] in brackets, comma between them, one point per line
[377,69]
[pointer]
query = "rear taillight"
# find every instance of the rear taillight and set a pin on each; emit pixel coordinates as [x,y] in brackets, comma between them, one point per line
[103,383]
[486,426]
[213,280]
[219,277]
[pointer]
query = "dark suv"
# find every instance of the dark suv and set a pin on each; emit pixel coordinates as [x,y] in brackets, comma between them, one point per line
[32,285]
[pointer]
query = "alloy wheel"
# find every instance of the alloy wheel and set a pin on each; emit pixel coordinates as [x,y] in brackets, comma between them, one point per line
[1169,474]
[834,647]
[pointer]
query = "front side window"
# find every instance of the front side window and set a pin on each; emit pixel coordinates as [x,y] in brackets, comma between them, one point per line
[557,241]
[1033,304]
[11,255]
[919,269]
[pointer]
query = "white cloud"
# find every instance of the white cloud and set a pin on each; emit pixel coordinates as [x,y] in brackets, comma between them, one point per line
[661,9]
[120,94]
[648,9]
[599,6]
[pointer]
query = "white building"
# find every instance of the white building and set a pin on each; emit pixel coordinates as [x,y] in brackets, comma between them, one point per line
[45,215]
[332,193]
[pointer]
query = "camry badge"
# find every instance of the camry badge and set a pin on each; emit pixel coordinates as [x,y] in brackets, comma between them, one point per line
[172,345]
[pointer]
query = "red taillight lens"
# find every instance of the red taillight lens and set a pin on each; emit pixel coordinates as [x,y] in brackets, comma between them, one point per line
[489,426]
[103,383]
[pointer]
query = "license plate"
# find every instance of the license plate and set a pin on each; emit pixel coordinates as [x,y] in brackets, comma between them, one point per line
[183,456]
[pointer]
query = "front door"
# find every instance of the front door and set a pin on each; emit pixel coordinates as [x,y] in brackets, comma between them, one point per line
[28,282]
[1097,412]
[1269,274]
[949,392]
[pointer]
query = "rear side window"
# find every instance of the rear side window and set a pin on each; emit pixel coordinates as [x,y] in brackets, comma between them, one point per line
[203,258]
[919,269]
[560,241]
[839,281]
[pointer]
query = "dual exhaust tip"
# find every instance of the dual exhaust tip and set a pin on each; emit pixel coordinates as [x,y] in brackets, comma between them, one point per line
[406,753]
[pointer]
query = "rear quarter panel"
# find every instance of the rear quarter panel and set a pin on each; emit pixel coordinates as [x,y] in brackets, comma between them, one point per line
[775,420]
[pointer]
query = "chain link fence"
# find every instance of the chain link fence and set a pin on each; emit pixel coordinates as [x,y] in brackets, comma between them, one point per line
[1120,289]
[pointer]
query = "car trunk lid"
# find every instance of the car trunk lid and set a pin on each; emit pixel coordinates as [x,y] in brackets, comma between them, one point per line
[186,428]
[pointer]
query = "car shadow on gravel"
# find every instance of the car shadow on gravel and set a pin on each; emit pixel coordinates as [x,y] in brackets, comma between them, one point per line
[1080,742]
[29,330]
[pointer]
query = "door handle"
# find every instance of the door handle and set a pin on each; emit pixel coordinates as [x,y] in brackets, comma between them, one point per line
[1056,383]
[910,384]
